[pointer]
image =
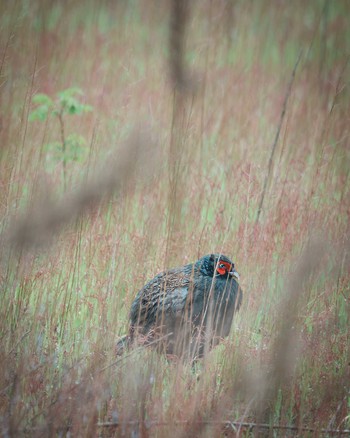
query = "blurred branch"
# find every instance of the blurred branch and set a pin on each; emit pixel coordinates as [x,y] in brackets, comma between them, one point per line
[324,25]
[40,224]
[178,22]
[286,346]
[273,149]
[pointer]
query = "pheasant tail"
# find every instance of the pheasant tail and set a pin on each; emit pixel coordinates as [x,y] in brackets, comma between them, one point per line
[123,344]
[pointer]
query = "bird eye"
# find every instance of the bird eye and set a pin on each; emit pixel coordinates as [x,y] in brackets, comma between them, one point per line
[222,265]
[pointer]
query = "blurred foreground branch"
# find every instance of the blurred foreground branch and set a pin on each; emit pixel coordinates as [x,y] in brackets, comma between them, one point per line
[178,22]
[137,157]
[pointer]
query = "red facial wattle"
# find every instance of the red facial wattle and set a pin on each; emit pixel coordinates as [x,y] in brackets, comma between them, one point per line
[223,267]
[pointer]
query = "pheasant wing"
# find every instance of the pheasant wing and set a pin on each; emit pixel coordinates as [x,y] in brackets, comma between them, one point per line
[162,297]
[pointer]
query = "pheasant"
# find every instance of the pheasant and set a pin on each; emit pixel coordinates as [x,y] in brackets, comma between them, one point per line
[186,310]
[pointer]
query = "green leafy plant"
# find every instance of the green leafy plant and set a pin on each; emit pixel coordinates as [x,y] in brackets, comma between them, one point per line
[65,103]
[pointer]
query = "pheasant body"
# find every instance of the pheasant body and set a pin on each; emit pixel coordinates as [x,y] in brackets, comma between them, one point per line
[187,308]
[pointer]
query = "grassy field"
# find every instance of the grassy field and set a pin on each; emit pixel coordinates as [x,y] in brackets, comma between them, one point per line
[116,172]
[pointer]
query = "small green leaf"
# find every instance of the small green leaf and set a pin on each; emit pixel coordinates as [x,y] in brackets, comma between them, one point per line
[69,105]
[41,98]
[39,113]
[75,147]
[54,149]
[87,108]
[69,92]
[73,109]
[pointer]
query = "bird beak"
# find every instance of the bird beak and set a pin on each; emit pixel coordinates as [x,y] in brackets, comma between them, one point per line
[234,274]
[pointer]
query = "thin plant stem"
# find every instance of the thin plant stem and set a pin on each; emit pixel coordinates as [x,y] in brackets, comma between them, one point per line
[274,145]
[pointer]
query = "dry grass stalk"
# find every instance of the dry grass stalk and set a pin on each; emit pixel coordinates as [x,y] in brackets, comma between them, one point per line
[274,145]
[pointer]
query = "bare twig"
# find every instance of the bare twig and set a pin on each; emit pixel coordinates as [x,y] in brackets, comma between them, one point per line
[135,350]
[232,425]
[228,424]
[273,149]
[20,340]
